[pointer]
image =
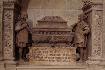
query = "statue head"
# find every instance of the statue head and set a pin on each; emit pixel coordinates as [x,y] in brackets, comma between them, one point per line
[81,17]
[24,16]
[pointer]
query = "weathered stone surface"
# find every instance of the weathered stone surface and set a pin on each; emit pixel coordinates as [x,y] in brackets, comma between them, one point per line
[56,67]
[10,67]
[52,55]
[67,67]
[52,22]
[68,9]
[52,31]
[94,16]
[2,65]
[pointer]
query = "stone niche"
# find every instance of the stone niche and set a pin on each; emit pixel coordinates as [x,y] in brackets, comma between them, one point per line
[52,43]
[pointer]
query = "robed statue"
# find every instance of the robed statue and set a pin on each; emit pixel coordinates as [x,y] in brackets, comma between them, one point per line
[81,30]
[22,36]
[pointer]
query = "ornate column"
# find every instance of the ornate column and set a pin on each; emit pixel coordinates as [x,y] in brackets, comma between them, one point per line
[10,12]
[94,16]
[8,30]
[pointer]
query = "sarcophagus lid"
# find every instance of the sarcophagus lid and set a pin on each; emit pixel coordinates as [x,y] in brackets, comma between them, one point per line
[52,22]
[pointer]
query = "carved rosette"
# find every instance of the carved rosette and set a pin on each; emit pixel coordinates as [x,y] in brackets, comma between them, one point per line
[8,14]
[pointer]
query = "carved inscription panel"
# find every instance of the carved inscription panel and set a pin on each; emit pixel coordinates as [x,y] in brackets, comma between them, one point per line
[52,55]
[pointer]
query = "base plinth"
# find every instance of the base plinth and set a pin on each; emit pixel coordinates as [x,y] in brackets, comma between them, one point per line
[98,61]
[51,67]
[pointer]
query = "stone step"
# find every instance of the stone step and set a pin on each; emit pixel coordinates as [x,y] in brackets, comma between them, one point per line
[2,67]
[53,67]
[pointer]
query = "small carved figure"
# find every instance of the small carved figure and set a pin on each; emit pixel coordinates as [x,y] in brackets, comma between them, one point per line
[81,29]
[22,35]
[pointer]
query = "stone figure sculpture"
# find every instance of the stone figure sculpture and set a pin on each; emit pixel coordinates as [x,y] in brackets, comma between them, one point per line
[22,36]
[81,29]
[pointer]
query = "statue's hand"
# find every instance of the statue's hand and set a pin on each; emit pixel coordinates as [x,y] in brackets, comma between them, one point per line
[24,25]
[86,30]
[18,26]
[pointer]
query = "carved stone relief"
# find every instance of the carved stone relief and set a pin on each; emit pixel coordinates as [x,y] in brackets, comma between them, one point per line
[97,34]
[94,12]
[8,30]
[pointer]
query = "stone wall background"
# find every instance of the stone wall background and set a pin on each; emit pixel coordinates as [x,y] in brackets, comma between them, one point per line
[67,9]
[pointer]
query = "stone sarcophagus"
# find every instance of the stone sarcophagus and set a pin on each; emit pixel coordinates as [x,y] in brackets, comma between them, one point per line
[52,42]
[52,30]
